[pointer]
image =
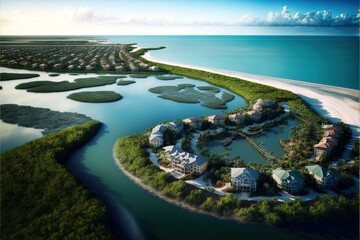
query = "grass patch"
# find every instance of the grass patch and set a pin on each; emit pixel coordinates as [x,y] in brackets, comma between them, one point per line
[95,97]
[40,118]
[54,74]
[185,93]
[47,86]
[125,82]
[15,76]
[168,78]
[209,89]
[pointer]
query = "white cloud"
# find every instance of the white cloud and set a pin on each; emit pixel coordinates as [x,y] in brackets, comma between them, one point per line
[313,18]
[84,20]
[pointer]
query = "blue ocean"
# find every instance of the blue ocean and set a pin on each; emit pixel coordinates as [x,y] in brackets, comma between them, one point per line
[329,60]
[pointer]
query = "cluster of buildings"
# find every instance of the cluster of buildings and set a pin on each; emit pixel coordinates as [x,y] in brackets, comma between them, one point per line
[329,140]
[255,112]
[197,122]
[179,160]
[74,57]
[291,181]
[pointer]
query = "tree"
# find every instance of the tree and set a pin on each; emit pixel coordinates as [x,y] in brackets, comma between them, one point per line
[209,205]
[194,197]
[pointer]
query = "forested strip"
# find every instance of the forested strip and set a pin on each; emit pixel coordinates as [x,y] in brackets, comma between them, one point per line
[40,199]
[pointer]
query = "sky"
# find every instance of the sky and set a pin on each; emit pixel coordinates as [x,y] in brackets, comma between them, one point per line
[169,17]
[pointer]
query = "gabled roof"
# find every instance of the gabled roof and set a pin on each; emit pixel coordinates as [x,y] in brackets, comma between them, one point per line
[212,117]
[236,116]
[288,175]
[183,156]
[236,172]
[192,120]
[320,171]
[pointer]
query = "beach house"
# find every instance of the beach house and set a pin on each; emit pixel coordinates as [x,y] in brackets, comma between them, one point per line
[325,178]
[237,118]
[244,179]
[329,140]
[156,137]
[185,162]
[193,122]
[289,180]
[216,119]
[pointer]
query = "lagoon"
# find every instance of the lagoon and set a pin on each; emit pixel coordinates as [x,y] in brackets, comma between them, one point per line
[135,213]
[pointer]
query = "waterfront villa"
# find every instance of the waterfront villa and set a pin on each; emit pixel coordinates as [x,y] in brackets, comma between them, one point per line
[156,137]
[185,162]
[290,180]
[324,177]
[216,119]
[237,118]
[329,140]
[244,179]
[255,112]
[193,122]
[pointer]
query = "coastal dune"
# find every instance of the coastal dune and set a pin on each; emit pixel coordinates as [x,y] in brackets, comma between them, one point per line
[334,103]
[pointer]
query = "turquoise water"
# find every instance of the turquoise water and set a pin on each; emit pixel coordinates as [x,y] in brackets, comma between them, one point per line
[326,60]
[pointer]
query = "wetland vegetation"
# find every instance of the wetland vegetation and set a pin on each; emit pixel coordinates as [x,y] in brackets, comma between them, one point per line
[16,76]
[95,97]
[40,118]
[63,86]
[186,93]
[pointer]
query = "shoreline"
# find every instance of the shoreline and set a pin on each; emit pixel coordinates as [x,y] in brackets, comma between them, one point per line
[161,196]
[335,103]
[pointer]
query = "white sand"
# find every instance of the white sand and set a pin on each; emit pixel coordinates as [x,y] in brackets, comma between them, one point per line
[335,103]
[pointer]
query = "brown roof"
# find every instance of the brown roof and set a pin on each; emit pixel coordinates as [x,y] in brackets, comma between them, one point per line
[215,117]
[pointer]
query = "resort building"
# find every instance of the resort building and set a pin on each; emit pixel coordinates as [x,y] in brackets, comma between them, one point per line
[290,180]
[329,140]
[156,137]
[237,118]
[244,179]
[193,122]
[255,113]
[324,177]
[216,119]
[185,162]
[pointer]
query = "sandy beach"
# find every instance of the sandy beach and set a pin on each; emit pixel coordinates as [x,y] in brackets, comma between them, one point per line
[335,103]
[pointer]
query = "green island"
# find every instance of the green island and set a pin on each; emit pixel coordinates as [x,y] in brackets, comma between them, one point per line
[125,82]
[131,154]
[54,74]
[95,97]
[185,93]
[40,199]
[16,76]
[40,118]
[168,78]
[49,86]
